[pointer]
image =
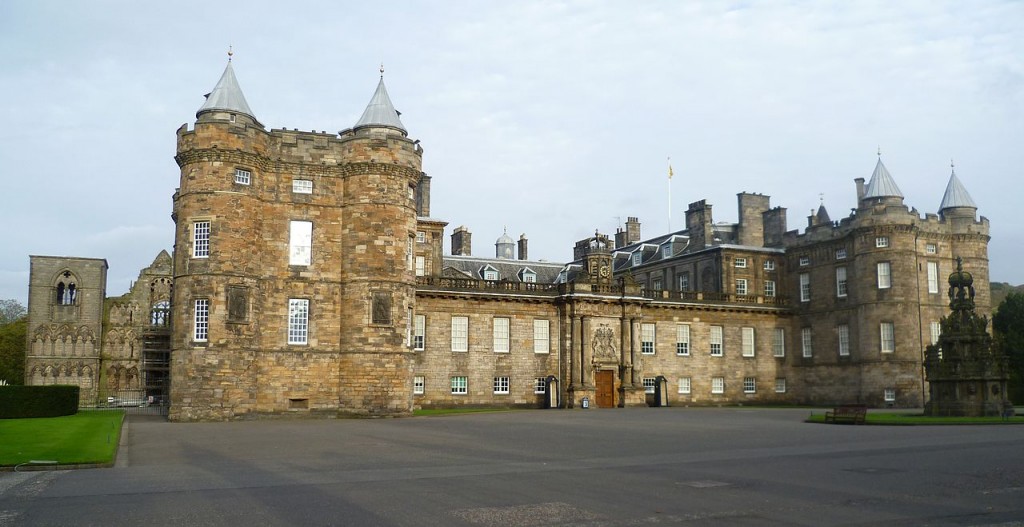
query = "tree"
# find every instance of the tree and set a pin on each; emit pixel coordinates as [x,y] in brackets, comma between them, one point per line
[10,310]
[1008,326]
[12,351]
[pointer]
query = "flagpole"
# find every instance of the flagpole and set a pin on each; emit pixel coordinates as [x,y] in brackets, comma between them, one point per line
[670,194]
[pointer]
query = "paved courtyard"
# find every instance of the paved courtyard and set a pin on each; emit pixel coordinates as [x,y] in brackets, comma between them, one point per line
[668,466]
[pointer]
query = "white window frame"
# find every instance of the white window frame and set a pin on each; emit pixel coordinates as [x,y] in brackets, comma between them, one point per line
[779,342]
[740,263]
[421,266]
[421,237]
[418,385]
[649,384]
[889,395]
[541,336]
[887,337]
[500,331]
[201,239]
[884,271]
[769,288]
[683,281]
[931,248]
[780,385]
[647,339]
[741,286]
[841,253]
[843,334]
[747,339]
[685,385]
[656,283]
[501,385]
[300,242]
[201,320]
[459,385]
[933,277]
[491,275]
[715,341]
[769,265]
[683,340]
[410,254]
[881,242]
[243,176]
[807,342]
[460,334]
[718,385]
[529,277]
[419,332]
[805,287]
[749,385]
[637,258]
[298,321]
[540,385]
[935,330]
[842,287]
[805,261]
[302,186]
[666,251]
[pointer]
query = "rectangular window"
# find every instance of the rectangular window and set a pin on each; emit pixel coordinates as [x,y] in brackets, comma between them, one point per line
[718,385]
[716,341]
[935,329]
[460,334]
[302,186]
[769,288]
[666,251]
[410,254]
[930,248]
[460,385]
[500,332]
[684,385]
[541,336]
[649,383]
[656,284]
[647,339]
[682,339]
[200,239]
[888,337]
[884,275]
[779,342]
[684,281]
[540,385]
[529,277]
[780,385]
[805,287]
[805,342]
[805,261]
[242,177]
[421,266]
[298,321]
[201,320]
[748,341]
[741,263]
[882,242]
[890,395]
[637,256]
[418,384]
[933,277]
[741,286]
[501,385]
[421,237]
[749,385]
[841,282]
[844,340]
[841,253]
[300,243]
[419,332]
[769,265]
[490,275]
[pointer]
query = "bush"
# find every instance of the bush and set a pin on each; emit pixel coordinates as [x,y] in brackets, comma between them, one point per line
[38,401]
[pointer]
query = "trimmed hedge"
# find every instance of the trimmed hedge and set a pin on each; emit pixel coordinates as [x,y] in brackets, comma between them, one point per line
[18,402]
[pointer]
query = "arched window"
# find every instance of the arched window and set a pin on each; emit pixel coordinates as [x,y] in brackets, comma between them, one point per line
[160,315]
[65,289]
[60,293]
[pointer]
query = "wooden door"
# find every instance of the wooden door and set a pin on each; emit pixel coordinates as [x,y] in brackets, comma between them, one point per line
[605,380]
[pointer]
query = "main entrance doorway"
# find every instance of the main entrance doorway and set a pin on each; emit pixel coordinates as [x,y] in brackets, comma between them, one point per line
[605,395]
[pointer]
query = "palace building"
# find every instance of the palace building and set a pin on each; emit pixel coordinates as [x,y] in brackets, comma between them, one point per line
[308,277]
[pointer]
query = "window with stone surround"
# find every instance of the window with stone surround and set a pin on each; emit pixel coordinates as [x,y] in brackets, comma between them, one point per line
[884,275]
[843,331]
[888,337]
[418,385]
[741,263]
[715,340]
[933,277]
[540,385]
[421,237]
[741,286]
[747,335]
[931,248]
[683,281]
[806,342]
[779,342]
[460,334]
[647,339]
[841,253]
[656,284]
[501,385]
[684,385]
[500,333]
[769,265]
[935,329]
[718,385]
[302,186]
[541,336]
[419,332]
[300,242]
[201,320]
[841,282]
[769,288]
[805,261]
[805,287]
[421,266]
[889,395]
[298,321]
[649,383]
[882,242]
[410,254]
[460,385]
[682,339]
[200,239]
[780,385]
[242,176]
[749,385]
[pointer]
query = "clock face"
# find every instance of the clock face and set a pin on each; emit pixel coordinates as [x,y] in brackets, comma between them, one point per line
[605,271]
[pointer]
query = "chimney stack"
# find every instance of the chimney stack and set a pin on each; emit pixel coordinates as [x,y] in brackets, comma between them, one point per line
[462,241]
[522,247]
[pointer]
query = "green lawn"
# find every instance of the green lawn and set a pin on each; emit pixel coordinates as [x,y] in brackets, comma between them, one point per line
[86,437]
[889,418]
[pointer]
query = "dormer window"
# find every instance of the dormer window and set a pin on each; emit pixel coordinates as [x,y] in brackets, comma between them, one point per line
[489,273]
[242,176]
[527,275]
[637,257]
[666,251]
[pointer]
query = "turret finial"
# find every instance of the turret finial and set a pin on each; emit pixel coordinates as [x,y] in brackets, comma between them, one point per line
[879,151]
[230,52]
[821,197]
[382,70]
[951,164]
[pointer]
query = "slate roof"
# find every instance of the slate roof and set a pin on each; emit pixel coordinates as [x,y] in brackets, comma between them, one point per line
[227,96]
[511,270]
[380,111]
[882,185]
[956,195]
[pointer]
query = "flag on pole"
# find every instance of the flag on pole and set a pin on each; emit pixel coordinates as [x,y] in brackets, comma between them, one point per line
[670,170]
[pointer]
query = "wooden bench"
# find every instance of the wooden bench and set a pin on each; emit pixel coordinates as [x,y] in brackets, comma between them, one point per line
[853,414]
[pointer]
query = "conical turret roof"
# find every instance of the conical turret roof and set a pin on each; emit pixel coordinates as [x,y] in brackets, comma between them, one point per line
[882,185]
[822,215]
[380,111]
[956,195]
[227,96]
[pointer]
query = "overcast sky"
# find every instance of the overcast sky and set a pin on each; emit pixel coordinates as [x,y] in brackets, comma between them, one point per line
[552,119]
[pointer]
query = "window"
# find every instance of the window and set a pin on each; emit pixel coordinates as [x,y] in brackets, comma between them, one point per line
[888,338]
[741,263]
[490,274]
[805,287]
[779,342]
[501,385]
[805,261]
[300,243]
[460,385]
[66,295]
[684,281]
[930,248]
[656,284]
[529,277]
[890,395]
[684,385]
[769,288]
[242,177]
[541,336]
[718,385]
[201,320]
[841,253]
[741,286]
[884,275]
[200,239]
[418,384]
[540,385]
[805,342]
[748,341]
[882,242]
[649,383]
[749,385]
[769,265]
[666,251]
[410,260]
[500,332]
[302,186]
[421,266]
[298,321]
[682,339]
[780,385]
[460,334]
[421,237]
[637,256]
[841,282]
[419,332]
[935,329]
[844,340]
[933,277]
[647,339]
[716,341]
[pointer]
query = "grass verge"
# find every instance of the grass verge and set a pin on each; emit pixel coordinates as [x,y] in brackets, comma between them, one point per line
[86,437]
[903,419]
